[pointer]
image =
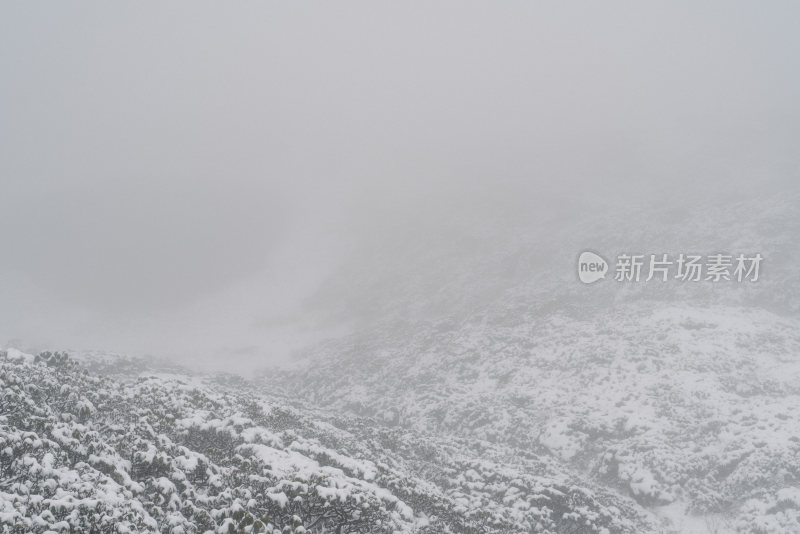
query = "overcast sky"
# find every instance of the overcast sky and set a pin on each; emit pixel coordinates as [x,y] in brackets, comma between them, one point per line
[175,176]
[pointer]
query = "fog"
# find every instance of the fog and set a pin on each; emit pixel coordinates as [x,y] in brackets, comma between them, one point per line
[181,179]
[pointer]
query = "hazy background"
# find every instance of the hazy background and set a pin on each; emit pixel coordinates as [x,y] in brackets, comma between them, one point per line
[179,179]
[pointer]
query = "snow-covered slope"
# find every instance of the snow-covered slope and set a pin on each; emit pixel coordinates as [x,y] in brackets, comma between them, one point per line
[666,404]
[162,452]
[483,390]
[681,396]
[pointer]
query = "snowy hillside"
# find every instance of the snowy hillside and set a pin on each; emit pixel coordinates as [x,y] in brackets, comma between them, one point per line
[662,404]
[681,396]
[483,389]
[155,451]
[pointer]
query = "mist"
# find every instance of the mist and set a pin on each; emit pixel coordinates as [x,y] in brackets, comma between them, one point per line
[184,179]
